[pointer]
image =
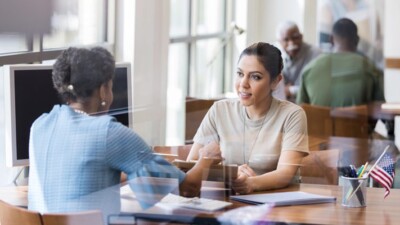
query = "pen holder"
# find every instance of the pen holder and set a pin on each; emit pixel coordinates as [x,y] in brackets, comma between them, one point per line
[354,191]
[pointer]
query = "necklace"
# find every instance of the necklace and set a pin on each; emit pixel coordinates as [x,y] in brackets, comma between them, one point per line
[81,112]
[244,137]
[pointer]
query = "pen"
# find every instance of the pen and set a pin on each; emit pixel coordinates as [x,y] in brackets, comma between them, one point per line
[359,170]
[363,170]
[353,171]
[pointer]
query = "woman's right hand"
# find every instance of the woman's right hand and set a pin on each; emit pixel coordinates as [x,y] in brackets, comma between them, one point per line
[211,151]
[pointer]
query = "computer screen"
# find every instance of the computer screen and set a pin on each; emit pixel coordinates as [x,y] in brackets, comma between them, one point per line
[29,93]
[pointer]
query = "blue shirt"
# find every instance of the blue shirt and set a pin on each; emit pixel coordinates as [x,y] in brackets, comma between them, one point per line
[76,162]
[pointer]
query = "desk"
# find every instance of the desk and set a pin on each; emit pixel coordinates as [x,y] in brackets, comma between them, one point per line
[378,210]
[375,111]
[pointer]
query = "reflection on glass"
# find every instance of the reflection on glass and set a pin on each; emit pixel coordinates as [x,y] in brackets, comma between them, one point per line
[209,16]
[179,18]
[176,92]
[207,79]
[12,43]
[76,23]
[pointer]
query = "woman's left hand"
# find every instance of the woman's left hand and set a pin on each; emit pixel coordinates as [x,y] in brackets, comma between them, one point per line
[243,184]
[246,170]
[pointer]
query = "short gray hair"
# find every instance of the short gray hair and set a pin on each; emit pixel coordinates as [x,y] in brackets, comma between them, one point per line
[283,26]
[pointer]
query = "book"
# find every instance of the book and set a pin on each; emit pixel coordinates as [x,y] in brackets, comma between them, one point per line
[284,198]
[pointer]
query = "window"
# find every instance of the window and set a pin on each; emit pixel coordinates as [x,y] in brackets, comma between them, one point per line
[73,23]
[77,23]
[200,35]
[12,43]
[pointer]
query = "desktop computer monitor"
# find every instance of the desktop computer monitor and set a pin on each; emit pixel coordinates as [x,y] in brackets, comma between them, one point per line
[29,93]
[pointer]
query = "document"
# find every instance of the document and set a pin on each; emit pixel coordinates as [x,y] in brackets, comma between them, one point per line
[284,198]
[171,201]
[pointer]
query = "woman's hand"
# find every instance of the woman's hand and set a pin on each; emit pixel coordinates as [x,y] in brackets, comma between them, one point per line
[243,184]
[208,155]
[246,170]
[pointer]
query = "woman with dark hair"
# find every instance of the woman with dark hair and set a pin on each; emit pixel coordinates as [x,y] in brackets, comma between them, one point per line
[77,153]
[267,137]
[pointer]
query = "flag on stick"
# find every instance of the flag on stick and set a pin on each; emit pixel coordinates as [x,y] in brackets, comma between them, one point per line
[383,173]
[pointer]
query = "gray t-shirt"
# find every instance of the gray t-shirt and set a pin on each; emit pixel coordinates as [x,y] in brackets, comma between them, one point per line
[258,143]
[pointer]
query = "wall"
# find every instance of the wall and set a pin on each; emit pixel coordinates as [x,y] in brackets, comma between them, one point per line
[143,40]
[392,58]
[265,15]
[392,50]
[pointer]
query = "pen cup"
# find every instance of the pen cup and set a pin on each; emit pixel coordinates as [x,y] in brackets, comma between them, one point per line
[354,191]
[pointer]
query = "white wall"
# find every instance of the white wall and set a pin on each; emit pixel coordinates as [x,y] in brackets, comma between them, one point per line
[392,49]
[265,15]
[143,40]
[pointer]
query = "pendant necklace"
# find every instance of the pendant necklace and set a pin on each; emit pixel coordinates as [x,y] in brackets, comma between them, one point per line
[81,112]
[244,137]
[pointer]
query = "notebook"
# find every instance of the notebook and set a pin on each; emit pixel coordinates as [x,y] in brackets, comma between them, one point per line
[284,198]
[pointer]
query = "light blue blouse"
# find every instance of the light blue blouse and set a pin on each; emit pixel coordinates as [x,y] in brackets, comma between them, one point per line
[76,162]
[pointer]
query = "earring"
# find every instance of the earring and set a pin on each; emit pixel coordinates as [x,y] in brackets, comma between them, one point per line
[103,103]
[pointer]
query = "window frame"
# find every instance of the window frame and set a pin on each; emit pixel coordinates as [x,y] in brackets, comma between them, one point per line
[191,38]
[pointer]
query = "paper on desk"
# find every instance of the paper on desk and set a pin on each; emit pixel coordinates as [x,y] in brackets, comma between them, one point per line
[172,201]
[245,215]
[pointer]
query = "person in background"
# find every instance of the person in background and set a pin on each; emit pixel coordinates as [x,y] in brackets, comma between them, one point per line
[296,55]
[267,137]
[344,77]
[77,153]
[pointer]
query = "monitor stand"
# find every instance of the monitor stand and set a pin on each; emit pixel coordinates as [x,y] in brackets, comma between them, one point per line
[26,172]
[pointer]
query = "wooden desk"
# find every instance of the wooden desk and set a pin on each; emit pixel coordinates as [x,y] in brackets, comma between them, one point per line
[375,111]
[378,210]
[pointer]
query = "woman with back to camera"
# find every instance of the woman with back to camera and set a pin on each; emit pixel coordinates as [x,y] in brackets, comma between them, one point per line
[267,137]
[78,154]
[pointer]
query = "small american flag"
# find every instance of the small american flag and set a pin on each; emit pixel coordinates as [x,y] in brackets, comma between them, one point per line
[383,173]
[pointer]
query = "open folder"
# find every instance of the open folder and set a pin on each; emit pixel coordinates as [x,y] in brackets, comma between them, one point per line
[284,198]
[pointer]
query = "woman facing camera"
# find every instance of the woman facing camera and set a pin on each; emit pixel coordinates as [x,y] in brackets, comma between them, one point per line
[77,153]
[267,137]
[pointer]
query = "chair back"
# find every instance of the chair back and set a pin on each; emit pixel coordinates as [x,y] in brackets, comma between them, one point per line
[350,121]
[13,215]
[196,109]
[319,121]
[171,153]
[93,217]
[320,167]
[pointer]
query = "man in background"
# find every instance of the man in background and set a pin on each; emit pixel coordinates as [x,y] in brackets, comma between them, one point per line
[296,54]
[344,77]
